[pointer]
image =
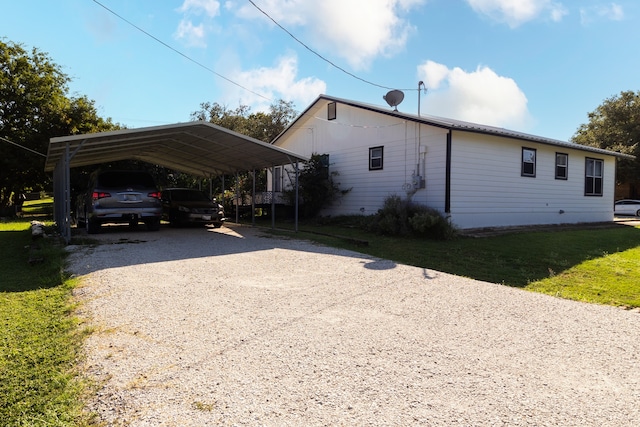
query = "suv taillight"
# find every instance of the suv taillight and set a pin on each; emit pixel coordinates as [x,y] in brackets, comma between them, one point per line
[99,195]
[155,194]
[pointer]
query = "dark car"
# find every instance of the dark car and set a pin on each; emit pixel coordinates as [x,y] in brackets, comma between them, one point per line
[120,197]
[183,206]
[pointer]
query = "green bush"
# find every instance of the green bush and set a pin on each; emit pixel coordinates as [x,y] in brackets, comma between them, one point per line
[401,217]
[432,224]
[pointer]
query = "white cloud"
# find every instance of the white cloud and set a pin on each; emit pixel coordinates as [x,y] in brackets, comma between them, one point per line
[356,30]
[516,12]
[278,82]
[210,7]
[192,35]
[195,35]
[612,12]
[480,96]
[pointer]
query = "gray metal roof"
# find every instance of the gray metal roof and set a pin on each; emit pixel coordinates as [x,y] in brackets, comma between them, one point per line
[200,148]
[459,125]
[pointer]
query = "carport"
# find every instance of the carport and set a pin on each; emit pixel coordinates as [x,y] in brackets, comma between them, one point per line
[199,148]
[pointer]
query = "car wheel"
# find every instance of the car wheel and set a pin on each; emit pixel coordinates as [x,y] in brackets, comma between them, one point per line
[93,227]
[153,224]
[638,212]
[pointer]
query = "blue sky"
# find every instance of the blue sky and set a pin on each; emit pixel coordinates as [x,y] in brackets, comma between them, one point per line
[536,66]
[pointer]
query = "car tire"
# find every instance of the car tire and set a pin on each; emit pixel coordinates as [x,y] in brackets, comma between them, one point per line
[638,212]
[153,224]
[93,227]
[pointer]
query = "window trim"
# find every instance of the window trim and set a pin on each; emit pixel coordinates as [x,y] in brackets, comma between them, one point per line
[565,166]
[594,186]
[331,111]
[372,158]
[523,162]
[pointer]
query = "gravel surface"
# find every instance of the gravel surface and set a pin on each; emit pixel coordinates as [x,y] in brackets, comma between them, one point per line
[200,327]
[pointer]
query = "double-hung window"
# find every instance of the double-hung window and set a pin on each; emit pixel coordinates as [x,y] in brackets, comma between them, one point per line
[562,165]
[528,162]
[375,158]
[593,177]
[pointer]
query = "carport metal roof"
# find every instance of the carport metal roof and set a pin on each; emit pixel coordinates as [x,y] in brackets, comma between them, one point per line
[199,148]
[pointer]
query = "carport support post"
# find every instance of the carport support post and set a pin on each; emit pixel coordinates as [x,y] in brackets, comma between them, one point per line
[253,198]
[297,203]
[273,197]
[61,195]
[237,199]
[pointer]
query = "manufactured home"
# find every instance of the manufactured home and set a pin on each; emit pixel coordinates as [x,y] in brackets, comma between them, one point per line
[476,175]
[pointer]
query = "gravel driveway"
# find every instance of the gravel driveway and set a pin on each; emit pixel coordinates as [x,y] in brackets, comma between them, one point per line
[198,327]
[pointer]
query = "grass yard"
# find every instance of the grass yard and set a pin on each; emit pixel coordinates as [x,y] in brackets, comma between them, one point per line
[41,340]
[39,382]
[592,265]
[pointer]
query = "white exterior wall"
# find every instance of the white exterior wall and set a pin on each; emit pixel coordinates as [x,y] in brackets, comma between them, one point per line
[487,189]
[347,140]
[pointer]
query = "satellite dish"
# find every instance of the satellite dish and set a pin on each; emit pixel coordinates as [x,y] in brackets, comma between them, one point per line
[394,98]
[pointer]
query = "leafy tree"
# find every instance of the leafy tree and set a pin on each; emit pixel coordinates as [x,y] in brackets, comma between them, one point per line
[317,188]
[261,126]
[615,126]
[34,107]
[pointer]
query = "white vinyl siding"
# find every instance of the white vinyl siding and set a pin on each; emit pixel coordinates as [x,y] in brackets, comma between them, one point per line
[348,140]
[488,191]
[487,188]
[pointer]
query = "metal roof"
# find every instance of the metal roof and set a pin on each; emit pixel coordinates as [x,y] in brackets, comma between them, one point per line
[200,148]
[458,125]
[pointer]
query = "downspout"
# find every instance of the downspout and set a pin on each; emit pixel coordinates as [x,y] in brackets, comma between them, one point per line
[447,188]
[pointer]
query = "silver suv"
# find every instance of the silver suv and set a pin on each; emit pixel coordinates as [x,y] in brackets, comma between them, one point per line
[120,197]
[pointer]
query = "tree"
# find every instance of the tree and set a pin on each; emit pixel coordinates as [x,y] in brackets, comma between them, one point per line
[34,107]
[261,126]
[317,188]
[615,126]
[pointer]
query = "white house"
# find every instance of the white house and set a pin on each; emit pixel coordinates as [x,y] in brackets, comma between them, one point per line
[478,176]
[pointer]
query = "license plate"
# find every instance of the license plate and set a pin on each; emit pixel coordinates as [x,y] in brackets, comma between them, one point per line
[206,217]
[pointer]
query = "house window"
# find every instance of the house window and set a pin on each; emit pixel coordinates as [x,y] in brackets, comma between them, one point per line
[593,177]
[277,179]
[375,158]
[331,111]
[562,165]
[529,162]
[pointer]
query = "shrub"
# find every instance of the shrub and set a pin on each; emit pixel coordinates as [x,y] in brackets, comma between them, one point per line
[432,224]
[401,217]
[317,187]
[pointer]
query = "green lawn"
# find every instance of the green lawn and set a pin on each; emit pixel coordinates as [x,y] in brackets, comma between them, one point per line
[592,265]
[40,338]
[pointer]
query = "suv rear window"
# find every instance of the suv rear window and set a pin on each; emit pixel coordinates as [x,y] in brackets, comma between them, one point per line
[125,179]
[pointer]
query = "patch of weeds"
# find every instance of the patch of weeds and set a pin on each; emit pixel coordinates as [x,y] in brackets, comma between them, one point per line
[204,407]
